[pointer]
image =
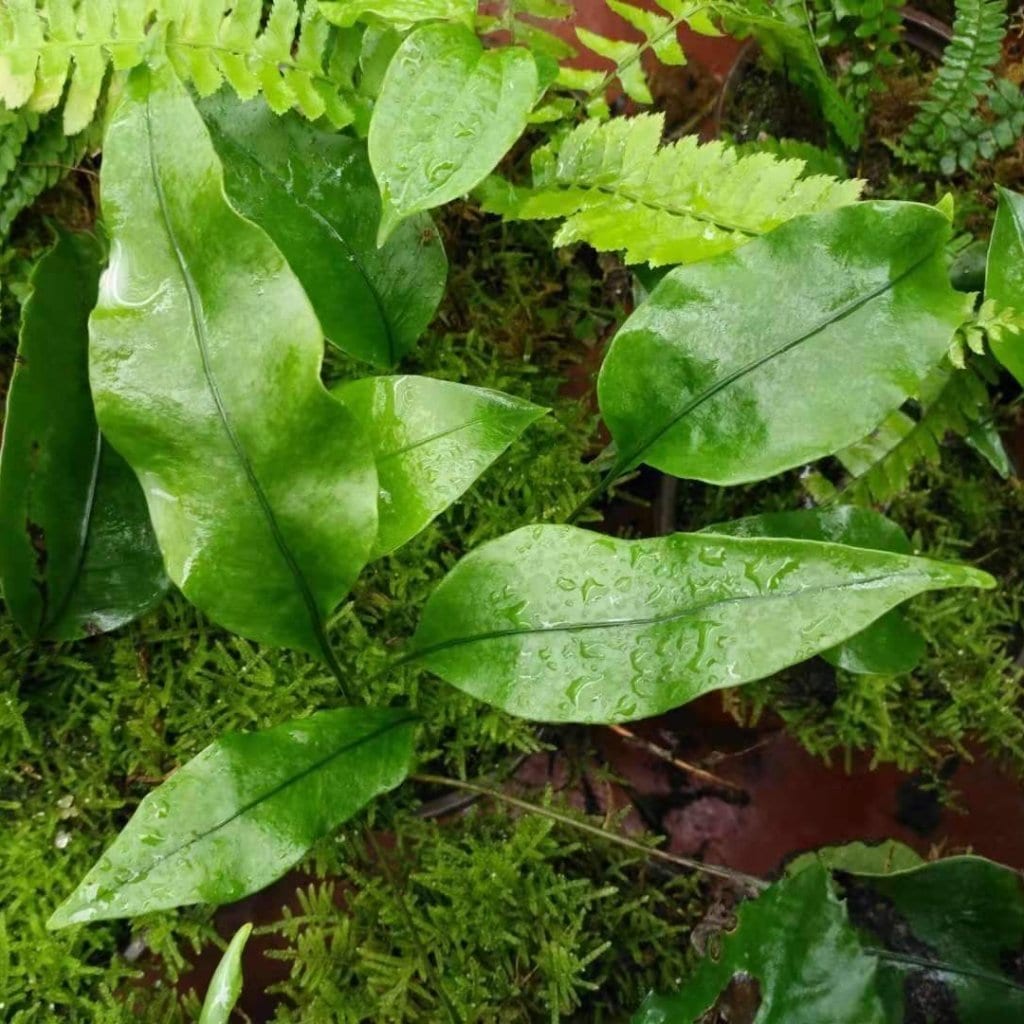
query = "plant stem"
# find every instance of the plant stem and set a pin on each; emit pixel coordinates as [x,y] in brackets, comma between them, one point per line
[739,877]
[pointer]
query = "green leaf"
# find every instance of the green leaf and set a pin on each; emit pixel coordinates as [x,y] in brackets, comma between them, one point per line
[793,958]
[77,553]
[243,811]
[205,369]
[888,646]
[226,983]
[431,439]
[448,111]
[561,624]
[1004,275]
[402,14]
[785,350]
[867,933]
[313,192]
[954,927]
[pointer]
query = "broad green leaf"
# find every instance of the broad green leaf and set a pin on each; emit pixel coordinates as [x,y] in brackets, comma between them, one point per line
[939,941]
[205,368]
[243,811]
[561,624]
[313,192]
[226,983]
[77,553]
[887,647]
[793,958]
[785,350]
[448,111]
[1004,275]
[431,439]
[953,926]
[403,14]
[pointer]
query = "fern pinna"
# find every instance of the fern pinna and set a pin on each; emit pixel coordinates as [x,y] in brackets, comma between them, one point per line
[64,48]
[619,189]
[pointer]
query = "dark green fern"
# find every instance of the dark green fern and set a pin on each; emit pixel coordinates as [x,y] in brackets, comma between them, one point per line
[945,133]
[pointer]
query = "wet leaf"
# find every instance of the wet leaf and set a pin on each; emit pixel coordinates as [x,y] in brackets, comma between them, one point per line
[786,349]
[561,624]
[1004,275]
[887,647]
[797,943]
[313,192]
[949,936]
[205,369]
[448,111]
[226,983]
[77,552]
[244,811]
[431,439]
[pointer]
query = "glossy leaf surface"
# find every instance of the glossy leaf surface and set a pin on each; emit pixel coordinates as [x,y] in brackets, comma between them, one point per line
[205,369]
[448,111]
[561,624]
[784,350]
[793,958]
[77,553]
[243,811]
[1004,275]
[432,439]
[955,926]
[313,192]
[226,983]
[887,647]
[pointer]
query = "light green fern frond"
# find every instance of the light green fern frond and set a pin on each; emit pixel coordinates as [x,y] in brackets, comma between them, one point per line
[945,117]
[618,189]
[63,48]
[660,32]
[952,401]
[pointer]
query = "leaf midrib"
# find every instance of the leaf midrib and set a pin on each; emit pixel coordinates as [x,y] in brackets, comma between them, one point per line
[198,837]
[650,620]
[636,454]
[199,333]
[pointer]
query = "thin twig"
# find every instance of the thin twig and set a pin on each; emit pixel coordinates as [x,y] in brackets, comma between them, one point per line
[667,755]
[740,877]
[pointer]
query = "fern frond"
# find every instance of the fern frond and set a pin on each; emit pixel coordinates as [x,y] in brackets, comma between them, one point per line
[618,189]
[44,157]
[952,401]
[64,48]
[660,32]
[945,116]
[15,128]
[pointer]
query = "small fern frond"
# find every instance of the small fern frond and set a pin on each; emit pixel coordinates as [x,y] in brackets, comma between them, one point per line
[952,401]
[991,322]
[816,160]
[618,189]
[660,32]
[44,156]
[15,128]
[64,49]
[945,116]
